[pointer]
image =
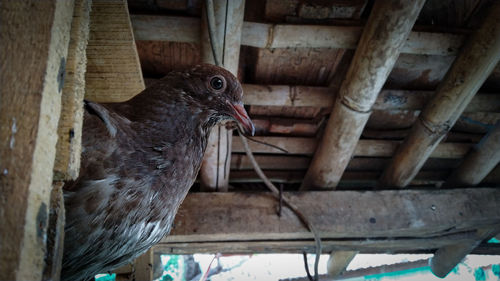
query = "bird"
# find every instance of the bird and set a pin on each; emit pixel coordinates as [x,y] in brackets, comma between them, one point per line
[139,158]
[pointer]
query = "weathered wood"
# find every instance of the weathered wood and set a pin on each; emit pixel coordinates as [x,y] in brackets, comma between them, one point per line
[446,258]
[475,62]
[339,214]
[55,234]
[143,267]
[387,29]
[69,143]
[34,38]
[338,262]
[367,148]
[363,218]
[161,28]
[272,36]
[479,162]
[214,172]
[113,68]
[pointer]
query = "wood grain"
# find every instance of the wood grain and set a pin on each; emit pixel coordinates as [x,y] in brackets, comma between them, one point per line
[34,38]
[113,68]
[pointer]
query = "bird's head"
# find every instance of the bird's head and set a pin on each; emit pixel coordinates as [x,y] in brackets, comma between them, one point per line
[219,92]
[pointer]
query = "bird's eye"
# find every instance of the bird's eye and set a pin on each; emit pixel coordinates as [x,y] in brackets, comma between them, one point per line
[216,83]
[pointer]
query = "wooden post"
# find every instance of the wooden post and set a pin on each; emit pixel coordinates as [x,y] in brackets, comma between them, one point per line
[263,35]
[339,261]
[475,62]
[69,144]
[446,258]
[143,267]
[214,171]
[113,69]
[55,235]
[479,162]
[34,39]
[387,28]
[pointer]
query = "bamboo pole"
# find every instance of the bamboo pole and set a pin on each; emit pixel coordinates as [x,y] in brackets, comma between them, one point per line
[262,35]
[339,261]
[296,96]
[387,29]
[214,171]
[465,77]
[479,162]
[447,257]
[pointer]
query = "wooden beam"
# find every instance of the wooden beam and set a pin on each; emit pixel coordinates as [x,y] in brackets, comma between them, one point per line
[262,35]
[479,162]
[339,214]
[339,261]
[34,38]
[470,69]
[387,29]
[113,69]
[69,144]
[365,148]
[447,257]
[214,172]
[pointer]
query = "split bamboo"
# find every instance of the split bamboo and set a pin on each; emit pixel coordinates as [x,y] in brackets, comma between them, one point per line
[262,35]
[338,262]
[467,74]
[215,167]
[479,162]
[387,29]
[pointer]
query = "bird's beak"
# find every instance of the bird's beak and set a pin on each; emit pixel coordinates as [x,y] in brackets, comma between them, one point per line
[241,115]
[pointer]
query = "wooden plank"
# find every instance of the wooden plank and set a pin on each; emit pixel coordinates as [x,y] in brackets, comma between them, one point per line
[341,214]
[272,36]
[388,245]
[69,144]
[471,68]
[296,96]
[479,162]
[33,47]
[377,51]
[366,148]
[113,68]
[339,261]
[295,66]
[214,172]
[55,234]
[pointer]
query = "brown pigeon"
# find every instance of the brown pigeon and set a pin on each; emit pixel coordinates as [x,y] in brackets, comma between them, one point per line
[139,159]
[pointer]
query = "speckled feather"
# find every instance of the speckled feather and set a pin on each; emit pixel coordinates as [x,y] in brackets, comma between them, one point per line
[139,160]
